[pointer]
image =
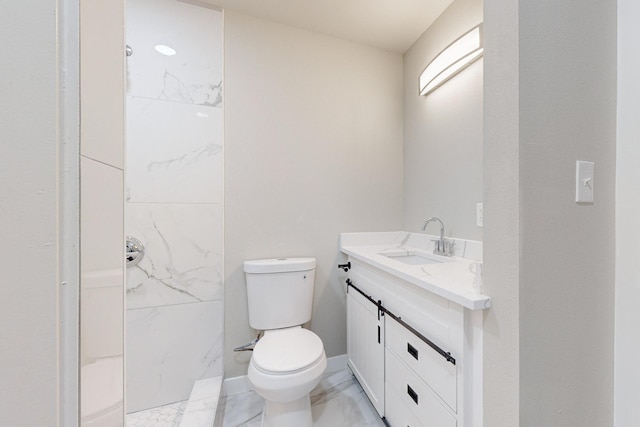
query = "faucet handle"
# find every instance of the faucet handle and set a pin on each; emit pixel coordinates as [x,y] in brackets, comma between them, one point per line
[443,247]
[449,244]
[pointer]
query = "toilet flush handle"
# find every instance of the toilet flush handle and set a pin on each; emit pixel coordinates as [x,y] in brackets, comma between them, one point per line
[249,346]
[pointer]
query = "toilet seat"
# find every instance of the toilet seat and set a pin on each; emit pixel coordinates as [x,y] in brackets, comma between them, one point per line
[287,351]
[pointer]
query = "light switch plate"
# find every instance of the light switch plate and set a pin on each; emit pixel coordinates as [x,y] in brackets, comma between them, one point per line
[584,181]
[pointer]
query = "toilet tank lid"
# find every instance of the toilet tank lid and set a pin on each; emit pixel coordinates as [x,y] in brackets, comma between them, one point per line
[279,265]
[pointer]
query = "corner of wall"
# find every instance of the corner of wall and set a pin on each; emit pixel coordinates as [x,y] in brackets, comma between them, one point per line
[501,273]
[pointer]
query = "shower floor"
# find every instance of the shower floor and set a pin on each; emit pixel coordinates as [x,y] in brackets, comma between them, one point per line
[162,416]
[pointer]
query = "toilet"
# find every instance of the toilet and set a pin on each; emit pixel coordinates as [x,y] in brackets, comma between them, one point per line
[288,361]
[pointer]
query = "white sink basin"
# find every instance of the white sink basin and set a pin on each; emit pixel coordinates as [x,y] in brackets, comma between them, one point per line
[415,259]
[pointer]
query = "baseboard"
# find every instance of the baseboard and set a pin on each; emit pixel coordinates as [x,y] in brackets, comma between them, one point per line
[241,384]
[337,363]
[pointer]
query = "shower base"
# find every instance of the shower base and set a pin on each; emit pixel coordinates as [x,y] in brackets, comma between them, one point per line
[162,416]
[198,411]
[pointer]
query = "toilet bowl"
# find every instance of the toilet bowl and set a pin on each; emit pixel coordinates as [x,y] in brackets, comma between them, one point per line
[288,361]
[286,365]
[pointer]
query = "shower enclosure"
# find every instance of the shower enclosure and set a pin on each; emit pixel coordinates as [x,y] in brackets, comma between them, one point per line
[173,199]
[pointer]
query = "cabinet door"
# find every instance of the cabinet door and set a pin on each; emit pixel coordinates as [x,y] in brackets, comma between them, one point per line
[365,347]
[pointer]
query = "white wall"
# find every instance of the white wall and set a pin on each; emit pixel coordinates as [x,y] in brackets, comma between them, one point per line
[174,204]
[627,341]
[313,139]
[551,324]
[28,214]
[443,132]
[567,88]
[501,244]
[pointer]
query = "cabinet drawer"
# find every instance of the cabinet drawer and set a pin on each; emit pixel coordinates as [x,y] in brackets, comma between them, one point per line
[397,413]
[415,394]
[429,365]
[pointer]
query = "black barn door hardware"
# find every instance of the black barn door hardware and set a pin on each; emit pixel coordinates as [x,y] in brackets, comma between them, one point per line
[382,311]
[345,267]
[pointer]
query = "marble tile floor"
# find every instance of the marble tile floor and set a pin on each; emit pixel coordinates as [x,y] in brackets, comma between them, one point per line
[162,416]
[337,401]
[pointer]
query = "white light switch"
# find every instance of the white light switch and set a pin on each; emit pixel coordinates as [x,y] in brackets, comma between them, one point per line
[479,214]
[584,181]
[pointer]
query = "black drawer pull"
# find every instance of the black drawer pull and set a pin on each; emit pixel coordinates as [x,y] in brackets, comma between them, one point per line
[412,351]
[412,394]
[378,334]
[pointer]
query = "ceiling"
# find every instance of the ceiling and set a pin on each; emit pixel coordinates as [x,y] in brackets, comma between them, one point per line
[392,25]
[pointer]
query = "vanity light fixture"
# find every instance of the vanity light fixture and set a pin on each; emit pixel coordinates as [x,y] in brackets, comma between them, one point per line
[165,50]
[454,58]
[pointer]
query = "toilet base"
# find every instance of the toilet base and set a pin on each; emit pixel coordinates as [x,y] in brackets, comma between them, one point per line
[288,414]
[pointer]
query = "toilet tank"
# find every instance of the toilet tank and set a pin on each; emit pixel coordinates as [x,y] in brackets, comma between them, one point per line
[279,291]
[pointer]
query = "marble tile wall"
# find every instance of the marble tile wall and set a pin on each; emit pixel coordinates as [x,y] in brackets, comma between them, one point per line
[169,348]
[101,295]
[102,394]
[174,200]
[183,261]
[174,152]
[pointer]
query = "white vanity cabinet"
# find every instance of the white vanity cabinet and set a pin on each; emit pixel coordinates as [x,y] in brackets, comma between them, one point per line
[425,368]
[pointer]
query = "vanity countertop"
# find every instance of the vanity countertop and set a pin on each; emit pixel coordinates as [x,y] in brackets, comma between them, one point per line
[453,278]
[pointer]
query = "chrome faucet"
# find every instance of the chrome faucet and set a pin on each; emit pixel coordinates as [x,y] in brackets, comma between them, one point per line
[443,246]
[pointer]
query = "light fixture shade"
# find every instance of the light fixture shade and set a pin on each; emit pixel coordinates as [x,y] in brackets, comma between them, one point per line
[453,59]
[165,50]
